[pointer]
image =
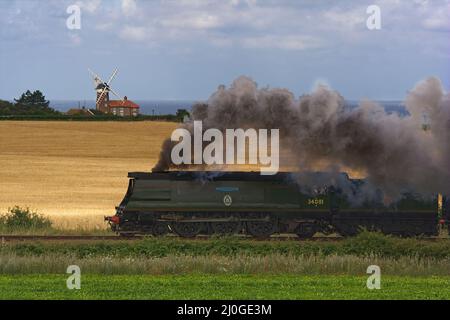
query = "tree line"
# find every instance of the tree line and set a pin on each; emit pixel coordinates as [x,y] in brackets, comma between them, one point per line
[28,104]
[34,105]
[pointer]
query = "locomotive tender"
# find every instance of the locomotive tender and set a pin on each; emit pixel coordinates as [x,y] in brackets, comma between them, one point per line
[189,203]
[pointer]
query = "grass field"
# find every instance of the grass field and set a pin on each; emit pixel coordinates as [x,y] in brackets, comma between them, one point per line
[227,268]
[222,287]
[271,264]
[405,257]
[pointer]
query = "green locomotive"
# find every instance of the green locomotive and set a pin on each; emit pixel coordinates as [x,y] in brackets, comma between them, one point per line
[189,203]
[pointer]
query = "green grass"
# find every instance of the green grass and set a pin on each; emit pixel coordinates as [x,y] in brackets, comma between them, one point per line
[222,287]
[364,245]
[271,264]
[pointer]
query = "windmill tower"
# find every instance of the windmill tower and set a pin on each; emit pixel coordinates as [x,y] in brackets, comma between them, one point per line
[103,89]
[102,97]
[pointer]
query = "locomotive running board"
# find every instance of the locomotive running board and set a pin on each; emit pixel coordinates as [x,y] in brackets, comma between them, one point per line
[266,219]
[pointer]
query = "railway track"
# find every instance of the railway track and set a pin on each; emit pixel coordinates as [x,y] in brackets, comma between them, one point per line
[11,238]
[16,238]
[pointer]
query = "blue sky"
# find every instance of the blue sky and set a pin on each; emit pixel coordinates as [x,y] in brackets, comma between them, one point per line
[184,49]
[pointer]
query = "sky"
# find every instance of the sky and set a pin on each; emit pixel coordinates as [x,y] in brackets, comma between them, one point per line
[185,49]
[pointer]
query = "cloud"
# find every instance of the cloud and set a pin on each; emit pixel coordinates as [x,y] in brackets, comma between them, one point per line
[132,33]
[104,26]
[91,6]
[247,2]
[129,7]
[283,25]
[267,24]
[197,21]
[344,18]
[439,19]
[289,42]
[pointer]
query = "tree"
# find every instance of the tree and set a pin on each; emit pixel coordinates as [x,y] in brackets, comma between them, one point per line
[6,107]
[32,103]
[182,113]
[33,99]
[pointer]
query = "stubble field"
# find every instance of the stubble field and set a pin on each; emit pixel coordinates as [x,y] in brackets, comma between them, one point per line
[75,172]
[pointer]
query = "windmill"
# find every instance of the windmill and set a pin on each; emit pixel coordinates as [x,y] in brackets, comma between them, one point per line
[103,89]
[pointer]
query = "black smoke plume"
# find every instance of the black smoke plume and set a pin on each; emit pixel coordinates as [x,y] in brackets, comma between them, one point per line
[396,152]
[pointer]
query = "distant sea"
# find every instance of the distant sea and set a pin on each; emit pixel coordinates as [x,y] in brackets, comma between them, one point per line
[389,106]
[158,107]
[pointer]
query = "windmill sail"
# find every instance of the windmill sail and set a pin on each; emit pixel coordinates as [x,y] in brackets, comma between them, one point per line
[103,88]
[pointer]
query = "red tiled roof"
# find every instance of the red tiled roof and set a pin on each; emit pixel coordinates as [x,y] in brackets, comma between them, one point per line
[122,104]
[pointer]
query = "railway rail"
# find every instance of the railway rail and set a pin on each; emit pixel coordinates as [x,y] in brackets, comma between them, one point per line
[16,238]
[9,238]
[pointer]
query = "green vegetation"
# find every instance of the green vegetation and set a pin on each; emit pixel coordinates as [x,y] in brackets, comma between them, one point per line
[101,117]
[29,104]
[272,264]
[34,106]
[222,287]
[227,268]
[22,219]
[230,256]
[182,113]
[364,245]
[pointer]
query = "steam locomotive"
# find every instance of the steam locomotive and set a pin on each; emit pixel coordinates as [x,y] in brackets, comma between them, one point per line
[190,203]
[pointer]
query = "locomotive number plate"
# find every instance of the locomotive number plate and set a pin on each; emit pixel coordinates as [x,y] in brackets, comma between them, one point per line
[315,202]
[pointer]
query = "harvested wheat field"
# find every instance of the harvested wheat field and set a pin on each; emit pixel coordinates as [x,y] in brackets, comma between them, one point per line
[76,169]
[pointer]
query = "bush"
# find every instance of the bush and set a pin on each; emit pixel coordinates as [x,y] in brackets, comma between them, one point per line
[19,218]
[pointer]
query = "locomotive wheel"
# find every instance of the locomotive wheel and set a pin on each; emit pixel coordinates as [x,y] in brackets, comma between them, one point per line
[349,230]
[187,229]
[159,229]
[306,230]
[127,230]
[226,228]
[260,229]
